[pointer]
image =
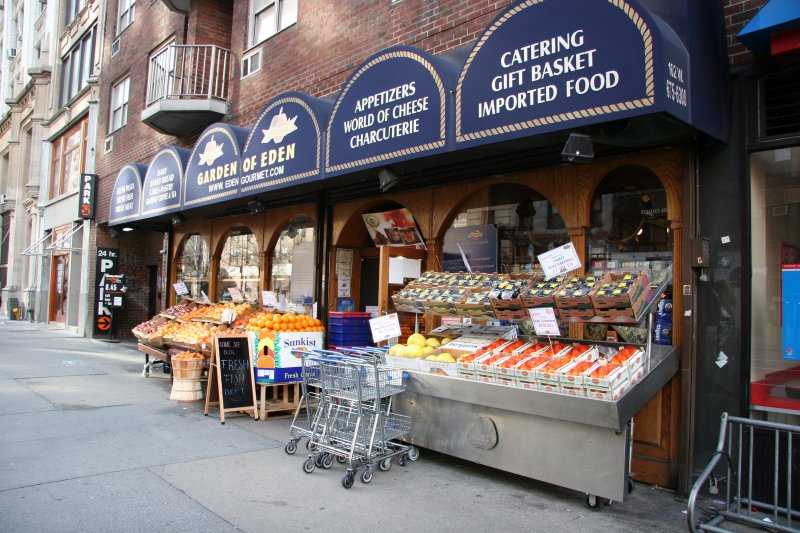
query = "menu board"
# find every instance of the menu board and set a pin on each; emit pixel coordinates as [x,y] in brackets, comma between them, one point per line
[234,373]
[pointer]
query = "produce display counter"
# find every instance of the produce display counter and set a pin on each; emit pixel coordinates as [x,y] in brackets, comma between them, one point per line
[579,443]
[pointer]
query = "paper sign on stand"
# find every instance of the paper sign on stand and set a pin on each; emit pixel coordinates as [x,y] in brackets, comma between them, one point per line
[236,294]
[544,322]
[384,327]
[180,288]
[205,298]
[268,299]
[559,261]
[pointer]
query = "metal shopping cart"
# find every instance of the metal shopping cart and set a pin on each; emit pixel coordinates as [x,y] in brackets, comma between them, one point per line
[352,420]
[758,477]
[301,426]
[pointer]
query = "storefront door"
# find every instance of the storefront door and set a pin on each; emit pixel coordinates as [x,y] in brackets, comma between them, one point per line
[59,281]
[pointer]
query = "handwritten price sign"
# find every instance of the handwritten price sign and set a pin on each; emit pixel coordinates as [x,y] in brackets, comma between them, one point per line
[559,261]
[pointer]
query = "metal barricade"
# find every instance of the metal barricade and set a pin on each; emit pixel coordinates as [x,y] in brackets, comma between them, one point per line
[744,447]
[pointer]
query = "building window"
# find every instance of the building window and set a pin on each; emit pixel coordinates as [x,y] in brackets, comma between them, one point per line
[239,265]
[119,105]
[293,265]
[192,266]
[775,293]
[525,222]
[268,17]
[125,14]
[77,66]
[73,8]
[69,154]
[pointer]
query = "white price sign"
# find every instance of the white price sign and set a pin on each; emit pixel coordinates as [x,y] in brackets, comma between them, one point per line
[384,327]
[559,261]
[269,299]
[236,294]
[544,322]
[205,298]
[180,288]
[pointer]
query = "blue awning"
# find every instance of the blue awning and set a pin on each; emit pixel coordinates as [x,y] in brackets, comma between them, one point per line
[776,16]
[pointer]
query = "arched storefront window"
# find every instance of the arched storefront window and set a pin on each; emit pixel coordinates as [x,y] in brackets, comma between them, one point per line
[293,264]
[192,265]
[629,231]
[239,265]
[629,224]
[527,224]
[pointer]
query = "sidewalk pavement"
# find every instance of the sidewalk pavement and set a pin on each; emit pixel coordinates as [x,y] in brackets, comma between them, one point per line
[89,444]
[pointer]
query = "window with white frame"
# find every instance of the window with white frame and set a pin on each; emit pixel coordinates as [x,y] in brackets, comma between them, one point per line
[77,66]
[119,105]
[268,17]
[73,8]
[125,14]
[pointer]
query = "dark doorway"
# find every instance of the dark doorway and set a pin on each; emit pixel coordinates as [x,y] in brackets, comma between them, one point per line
[370,273]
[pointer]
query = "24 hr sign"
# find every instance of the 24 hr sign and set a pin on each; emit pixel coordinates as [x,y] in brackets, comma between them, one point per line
[106,262]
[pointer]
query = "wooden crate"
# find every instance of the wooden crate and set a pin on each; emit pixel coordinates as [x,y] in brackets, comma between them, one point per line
[278,398]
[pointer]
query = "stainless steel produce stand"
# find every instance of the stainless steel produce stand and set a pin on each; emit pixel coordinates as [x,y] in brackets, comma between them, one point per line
[578,443]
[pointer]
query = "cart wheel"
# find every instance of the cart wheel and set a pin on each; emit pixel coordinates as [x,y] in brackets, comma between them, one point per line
[309,446]
[413,453]
[385,465]
[402,460]
[290,448]
[327,461]
[366,475]
[309,466]
[348,479]
[341,459]
[630,485]
[592,502]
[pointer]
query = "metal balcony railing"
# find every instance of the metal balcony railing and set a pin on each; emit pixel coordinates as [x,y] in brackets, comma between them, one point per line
[188,72]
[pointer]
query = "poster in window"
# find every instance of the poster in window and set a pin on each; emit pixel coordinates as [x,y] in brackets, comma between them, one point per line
[393,228]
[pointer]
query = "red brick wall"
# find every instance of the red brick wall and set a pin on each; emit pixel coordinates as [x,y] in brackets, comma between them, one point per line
[737,14]
[210,23]
[330,39]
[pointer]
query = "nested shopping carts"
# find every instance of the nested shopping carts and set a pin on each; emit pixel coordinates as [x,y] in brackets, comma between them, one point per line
[347,396]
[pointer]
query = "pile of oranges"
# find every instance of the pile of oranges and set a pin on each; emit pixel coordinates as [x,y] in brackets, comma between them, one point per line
[265,322]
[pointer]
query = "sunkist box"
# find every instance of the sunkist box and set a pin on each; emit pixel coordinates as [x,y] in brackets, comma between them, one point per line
[273,360]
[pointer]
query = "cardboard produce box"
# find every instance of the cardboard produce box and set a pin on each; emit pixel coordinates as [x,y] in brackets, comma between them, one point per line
[274,360]
[617,291]
[429,363]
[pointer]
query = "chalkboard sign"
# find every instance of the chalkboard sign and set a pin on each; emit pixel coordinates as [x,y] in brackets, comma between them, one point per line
[232,358]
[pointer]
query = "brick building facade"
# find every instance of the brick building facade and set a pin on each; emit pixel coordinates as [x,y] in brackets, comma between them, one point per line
[317,54]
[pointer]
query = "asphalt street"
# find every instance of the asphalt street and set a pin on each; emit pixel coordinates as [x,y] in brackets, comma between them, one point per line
[89,444]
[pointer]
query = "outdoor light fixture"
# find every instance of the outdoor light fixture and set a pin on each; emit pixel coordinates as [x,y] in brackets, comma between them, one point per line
[127,229]
[177,218]
[387,178]
[114,233]
[578,148]
[256,207]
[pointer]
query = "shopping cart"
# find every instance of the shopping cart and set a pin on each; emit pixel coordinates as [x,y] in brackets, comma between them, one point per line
[301,426]
[756,455]
[353,421]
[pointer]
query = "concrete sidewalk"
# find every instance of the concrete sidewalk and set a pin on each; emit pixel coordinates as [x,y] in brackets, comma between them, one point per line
[88,444]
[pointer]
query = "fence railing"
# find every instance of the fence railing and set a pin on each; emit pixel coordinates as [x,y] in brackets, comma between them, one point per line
[188,72]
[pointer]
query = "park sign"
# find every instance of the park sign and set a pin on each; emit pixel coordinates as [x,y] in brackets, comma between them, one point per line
[88,193]
[126,195]
[212,174]
[552,65]
[285,145]
[393,107]
[161,192]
